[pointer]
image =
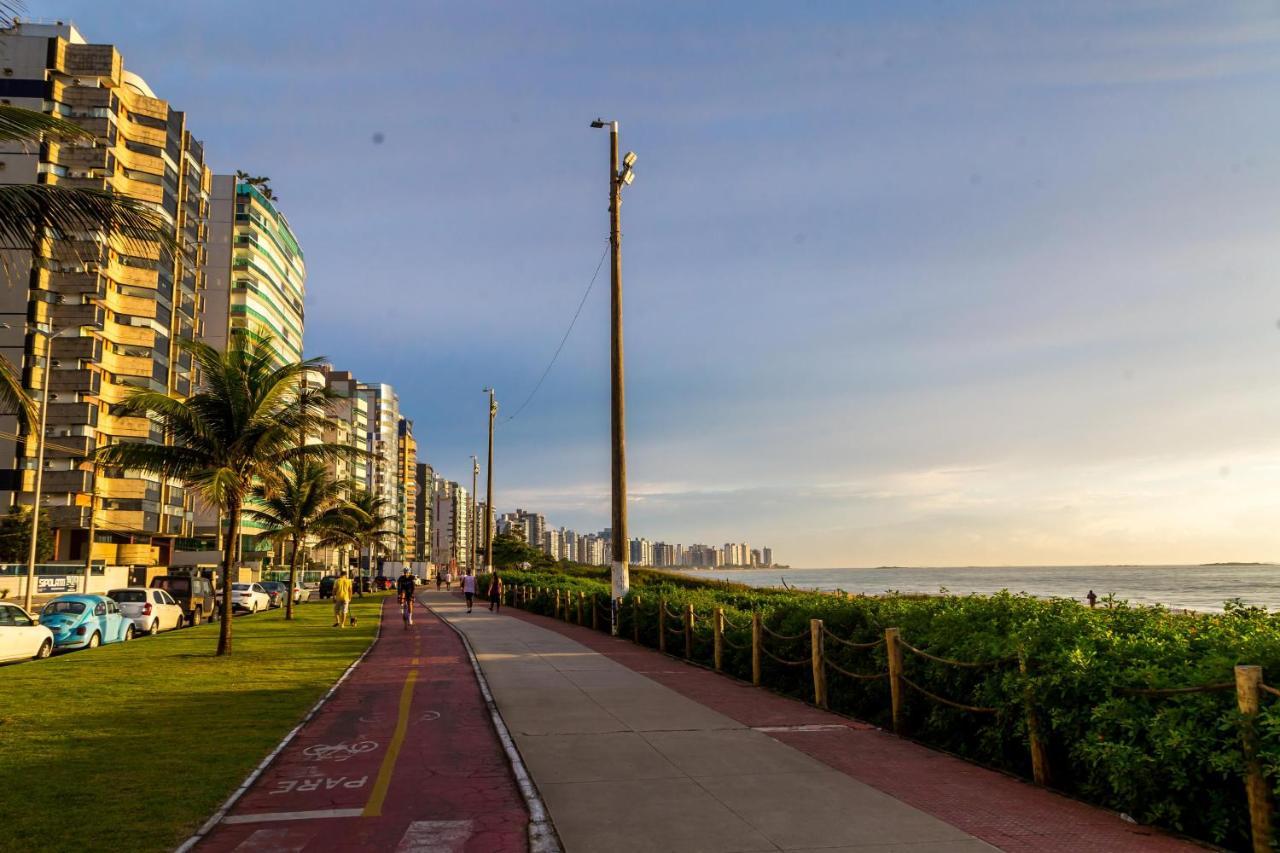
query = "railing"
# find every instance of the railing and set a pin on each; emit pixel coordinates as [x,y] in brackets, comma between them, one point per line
[766,644]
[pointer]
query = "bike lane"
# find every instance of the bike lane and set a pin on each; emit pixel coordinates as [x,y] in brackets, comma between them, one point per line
[403,757]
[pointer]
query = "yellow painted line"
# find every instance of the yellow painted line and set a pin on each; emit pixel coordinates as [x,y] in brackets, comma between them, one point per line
[413,662]
[373,808]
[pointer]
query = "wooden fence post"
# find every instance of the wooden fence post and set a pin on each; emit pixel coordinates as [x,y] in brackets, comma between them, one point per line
[555,613]
[717,638]
[1248,697]
[894,653]
[635,615]
[662,624]
[1039,749]
[756,640]
[595,613]
[581,595]
[688,632]
[817,650]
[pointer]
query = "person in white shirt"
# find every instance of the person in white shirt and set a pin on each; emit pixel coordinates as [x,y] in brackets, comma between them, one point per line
[469,588]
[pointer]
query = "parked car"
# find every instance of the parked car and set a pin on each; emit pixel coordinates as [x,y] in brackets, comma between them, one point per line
[364,584]
[249,596]
[22,637]
[152,610]
[326,586]
[193,593]
[275,590]
[384,583]
[85,621]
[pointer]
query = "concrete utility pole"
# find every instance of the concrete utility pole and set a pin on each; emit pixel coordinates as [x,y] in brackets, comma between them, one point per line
[620,175]
[39,475]
[472,528]
[488,499]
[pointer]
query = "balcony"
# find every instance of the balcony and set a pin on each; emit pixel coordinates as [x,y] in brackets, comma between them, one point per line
[69,446]
[82,381]
[67,516]
[61,482]
[73,414]
[77,349]
[79,316]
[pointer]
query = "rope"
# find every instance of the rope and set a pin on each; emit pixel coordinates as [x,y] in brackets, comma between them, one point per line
[935,697]
[858,675]
[671,615]
[1180,691]
[728,623]
[784,661]
[787,637]
[731,644]
[850,643]
[1269,689]
[967,664]
[679,629]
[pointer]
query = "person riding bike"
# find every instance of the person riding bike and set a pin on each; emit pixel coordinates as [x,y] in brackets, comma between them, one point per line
[404,594]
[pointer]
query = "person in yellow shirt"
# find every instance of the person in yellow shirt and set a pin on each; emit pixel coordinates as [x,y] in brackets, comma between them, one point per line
[341,599]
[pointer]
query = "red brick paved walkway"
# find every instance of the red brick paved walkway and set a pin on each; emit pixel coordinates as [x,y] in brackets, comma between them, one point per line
[402,758]
[1003,811]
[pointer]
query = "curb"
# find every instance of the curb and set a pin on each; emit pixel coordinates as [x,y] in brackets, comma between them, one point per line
[217,817]
[542,833]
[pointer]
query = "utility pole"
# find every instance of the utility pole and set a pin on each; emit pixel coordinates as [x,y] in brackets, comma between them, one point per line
[620,175]
[488,509]
[39,472]
[472,528]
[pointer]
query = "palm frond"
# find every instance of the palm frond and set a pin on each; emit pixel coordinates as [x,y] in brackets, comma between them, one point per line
[12,395]
[29,209]
[18,124]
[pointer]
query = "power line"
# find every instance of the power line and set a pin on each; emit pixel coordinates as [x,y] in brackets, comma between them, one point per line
[567,331]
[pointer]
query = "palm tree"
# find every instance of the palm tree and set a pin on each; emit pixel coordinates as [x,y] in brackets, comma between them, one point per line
[307,500]
[366,524]
[239,430]
[28,211]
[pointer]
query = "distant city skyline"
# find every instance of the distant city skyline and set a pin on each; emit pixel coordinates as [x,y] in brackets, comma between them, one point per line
[907,284]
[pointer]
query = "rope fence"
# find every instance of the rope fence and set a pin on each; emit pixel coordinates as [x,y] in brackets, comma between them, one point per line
[1248,685]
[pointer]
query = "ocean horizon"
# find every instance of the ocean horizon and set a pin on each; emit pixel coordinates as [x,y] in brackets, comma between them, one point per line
[1204,587]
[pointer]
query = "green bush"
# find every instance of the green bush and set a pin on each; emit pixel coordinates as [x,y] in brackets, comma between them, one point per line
[1172,761]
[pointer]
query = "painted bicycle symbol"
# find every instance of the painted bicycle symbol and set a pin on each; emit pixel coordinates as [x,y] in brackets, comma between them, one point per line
[339,751]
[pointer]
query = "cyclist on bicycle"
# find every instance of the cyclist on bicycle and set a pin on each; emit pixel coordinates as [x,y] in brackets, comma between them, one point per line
[404,594]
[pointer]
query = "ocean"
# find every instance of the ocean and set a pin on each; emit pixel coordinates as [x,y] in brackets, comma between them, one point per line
[1203,588]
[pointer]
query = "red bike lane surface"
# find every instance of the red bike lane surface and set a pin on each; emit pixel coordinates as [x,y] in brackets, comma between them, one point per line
[403,757]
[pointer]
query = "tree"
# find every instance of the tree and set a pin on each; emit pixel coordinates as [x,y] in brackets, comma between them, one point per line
[509,551]
[306,500]
[239,430]
[364,523]
[15,536]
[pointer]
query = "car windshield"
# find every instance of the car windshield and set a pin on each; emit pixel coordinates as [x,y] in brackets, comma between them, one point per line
[272,585]
[130,596]
[178,585]
[55,607]
[239,587]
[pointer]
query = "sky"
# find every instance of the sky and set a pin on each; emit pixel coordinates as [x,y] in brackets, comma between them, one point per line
[905,283]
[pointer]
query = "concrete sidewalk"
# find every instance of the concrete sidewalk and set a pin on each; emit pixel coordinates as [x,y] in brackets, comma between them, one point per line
[625,763]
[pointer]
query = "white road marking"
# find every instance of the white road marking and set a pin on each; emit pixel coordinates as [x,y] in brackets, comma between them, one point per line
[285,840]
[435,836]
[268,817]
[816,727]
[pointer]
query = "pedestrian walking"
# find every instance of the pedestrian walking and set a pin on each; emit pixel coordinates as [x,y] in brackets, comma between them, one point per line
[341,599]
[404,593]
[495,593]
[439,579]
[1092,598]
[469,588]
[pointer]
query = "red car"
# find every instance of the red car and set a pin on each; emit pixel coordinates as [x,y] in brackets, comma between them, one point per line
[385,583]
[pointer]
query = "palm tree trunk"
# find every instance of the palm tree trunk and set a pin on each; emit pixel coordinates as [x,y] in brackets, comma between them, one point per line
[229,557]
[293,578]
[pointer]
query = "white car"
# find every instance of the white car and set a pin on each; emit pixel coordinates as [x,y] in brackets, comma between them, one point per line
[249,596]
[152,610]
[22,637]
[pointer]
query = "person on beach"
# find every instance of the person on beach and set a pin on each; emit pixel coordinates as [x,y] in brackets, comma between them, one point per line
[341,599]
[1092,598]
[469,588]
[495,593]
[404,594]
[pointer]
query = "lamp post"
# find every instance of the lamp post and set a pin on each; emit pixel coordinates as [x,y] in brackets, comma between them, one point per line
[35,507]
[619,177]
[488,500]
[473,528]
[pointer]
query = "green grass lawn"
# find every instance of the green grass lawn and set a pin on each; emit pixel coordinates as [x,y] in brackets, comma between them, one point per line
[132,746]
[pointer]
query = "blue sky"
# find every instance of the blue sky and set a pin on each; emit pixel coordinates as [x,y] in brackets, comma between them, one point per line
[906,283]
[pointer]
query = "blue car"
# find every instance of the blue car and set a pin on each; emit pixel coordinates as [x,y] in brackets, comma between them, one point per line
[85,622]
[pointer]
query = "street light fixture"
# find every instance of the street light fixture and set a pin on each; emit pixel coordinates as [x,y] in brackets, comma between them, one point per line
[39,478]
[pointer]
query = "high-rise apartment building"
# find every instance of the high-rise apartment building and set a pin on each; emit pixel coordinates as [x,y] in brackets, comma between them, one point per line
[382,444]
[451,521]
[257,277]
[424,500]
[407,462]
[118,307]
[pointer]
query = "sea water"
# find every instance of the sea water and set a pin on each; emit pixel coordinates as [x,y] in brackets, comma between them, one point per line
[1203,588]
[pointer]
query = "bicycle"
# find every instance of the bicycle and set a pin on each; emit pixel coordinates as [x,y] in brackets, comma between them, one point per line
[406,610]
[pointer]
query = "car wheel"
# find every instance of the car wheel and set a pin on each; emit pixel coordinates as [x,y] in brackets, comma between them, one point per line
[155,628]
[128,634]
[94,641]
[46,649]
[254,609]
[195,618]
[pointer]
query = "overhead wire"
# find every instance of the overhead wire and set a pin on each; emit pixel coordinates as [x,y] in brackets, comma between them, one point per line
[563,340]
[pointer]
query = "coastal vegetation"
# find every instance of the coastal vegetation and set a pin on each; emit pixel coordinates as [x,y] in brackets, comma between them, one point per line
[1096,680]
